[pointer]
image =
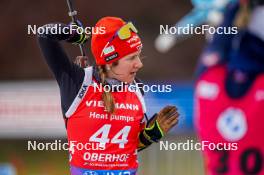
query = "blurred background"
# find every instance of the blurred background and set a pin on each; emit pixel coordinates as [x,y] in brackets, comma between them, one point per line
[29,96]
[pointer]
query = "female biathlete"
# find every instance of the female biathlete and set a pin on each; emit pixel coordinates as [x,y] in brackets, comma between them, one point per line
[105,128]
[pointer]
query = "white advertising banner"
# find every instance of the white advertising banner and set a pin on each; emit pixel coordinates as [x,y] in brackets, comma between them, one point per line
[30,109]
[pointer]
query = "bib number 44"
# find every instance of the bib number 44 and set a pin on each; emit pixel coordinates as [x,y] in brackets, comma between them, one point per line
[101,136]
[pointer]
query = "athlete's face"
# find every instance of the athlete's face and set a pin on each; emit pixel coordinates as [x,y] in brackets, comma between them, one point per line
[126,68]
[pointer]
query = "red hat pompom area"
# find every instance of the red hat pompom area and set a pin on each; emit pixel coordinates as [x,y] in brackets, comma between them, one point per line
[107,47]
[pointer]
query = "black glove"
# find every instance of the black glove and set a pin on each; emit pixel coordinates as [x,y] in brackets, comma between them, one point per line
[78,35]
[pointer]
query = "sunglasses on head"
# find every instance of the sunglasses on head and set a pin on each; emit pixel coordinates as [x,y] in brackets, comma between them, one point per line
[123,33]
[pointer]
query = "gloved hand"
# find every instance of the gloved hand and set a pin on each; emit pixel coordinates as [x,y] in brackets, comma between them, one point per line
[161,123]
[158,126]
[167,118]
[78,35]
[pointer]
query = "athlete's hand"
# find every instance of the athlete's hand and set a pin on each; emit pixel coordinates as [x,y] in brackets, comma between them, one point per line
[78,35]
[158,126]
[167,118]
[82,61]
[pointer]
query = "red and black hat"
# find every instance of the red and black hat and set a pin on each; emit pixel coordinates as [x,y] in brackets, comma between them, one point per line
[108,47]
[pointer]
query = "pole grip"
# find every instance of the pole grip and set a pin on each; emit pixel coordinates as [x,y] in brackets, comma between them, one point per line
[72,13]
